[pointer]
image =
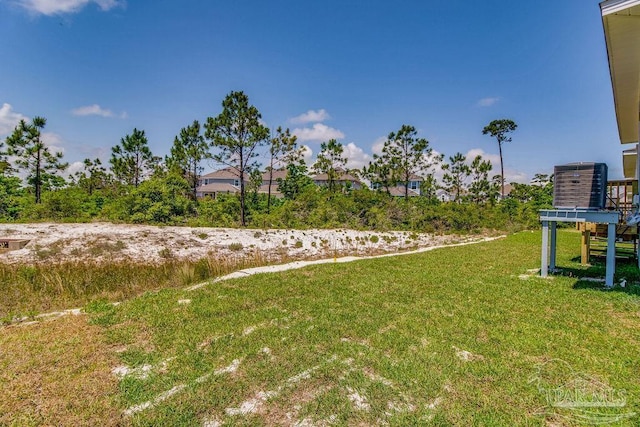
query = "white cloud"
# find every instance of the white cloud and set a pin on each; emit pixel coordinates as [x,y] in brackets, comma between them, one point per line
[510,175]
[356,157]
[493,158]
[378,144]
[94,110]
[9,119]
[73,168]
[319,132]
[53,141]
[487,102]
[311,116]
[436,168]
[307,154]
[59,7]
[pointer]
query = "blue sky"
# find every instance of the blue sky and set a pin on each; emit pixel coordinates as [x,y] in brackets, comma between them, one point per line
[338,68]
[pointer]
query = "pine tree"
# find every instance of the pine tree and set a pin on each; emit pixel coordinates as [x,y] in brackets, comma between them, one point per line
[33,156]
[405,155]
[188,152]
[500,130]
[237,132]
[132,160]
[457,171]
[330,162]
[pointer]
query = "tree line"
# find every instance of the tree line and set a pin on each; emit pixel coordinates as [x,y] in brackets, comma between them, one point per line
[139,186]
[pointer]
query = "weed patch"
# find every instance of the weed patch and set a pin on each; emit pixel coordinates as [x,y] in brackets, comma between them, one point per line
[26,290]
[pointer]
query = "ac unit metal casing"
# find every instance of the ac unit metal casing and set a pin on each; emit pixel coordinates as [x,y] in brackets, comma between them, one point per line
[580,186]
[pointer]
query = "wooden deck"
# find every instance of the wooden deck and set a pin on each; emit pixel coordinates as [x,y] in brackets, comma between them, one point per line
[619,198]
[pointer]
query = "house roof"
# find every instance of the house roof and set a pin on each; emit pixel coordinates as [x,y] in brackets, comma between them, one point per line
[226,173]
[398,191]
[621,21]
[508,188]
[344,176]
[277,173]
[232,173]
[217,187]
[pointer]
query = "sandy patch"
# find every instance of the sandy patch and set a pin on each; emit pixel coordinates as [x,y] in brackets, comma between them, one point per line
[109,242]
[235,364]
[358,400]
[467,356]
[179,388]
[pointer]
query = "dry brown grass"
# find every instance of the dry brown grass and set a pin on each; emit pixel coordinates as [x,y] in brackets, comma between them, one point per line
[57,373]
[46,286]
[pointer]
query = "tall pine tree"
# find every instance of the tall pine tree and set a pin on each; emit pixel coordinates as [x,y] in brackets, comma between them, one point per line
[188,152]
[237,132]
[132,160]
[33,156]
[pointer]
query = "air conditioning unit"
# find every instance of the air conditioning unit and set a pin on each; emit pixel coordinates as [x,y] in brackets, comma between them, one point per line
[580,186]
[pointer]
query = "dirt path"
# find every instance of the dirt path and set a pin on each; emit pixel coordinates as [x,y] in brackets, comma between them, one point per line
[300,264]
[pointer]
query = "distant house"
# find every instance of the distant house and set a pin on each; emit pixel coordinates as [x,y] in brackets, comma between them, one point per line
[277,174]
[223,181]
[344,179]
[227,181]
[508,188]
[415,182]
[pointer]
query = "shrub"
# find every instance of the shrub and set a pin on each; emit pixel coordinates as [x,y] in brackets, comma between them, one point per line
[236,246]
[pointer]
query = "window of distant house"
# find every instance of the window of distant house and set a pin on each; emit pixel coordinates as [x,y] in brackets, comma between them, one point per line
[236,182]
[413,185]
[375,185]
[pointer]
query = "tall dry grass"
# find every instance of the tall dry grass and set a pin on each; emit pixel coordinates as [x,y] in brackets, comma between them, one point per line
[26,290]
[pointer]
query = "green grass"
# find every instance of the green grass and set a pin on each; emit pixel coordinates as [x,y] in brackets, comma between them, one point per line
[448,337]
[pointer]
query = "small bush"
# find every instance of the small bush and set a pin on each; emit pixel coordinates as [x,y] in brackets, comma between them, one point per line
[165,253]
[236,247]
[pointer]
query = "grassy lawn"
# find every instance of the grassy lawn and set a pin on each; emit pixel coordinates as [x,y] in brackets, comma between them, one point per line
[458,336]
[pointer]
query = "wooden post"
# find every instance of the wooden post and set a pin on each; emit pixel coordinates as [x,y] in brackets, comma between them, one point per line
[611,255]
[585,246]
[544,258]
[553,244]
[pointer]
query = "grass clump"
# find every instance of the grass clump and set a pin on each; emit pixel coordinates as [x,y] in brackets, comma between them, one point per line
[32,289]
[165,253]
[236,246]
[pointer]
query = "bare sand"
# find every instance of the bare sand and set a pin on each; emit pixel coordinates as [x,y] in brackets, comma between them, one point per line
[51,242]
